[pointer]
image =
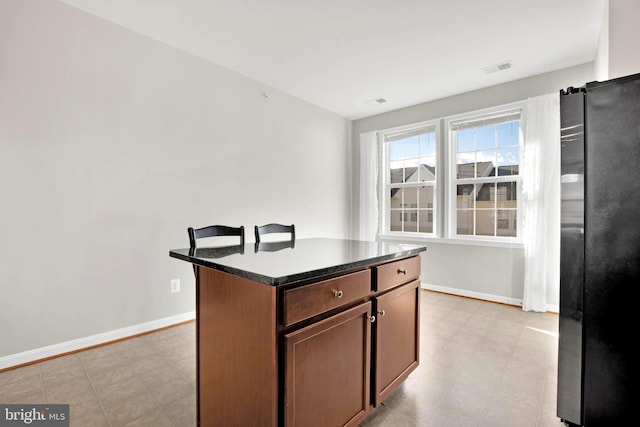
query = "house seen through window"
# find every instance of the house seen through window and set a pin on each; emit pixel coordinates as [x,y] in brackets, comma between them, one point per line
[487,166]
[478,156]
[410,178]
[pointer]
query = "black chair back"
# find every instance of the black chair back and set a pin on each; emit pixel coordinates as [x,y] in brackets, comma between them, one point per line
[274,228]
[213,231]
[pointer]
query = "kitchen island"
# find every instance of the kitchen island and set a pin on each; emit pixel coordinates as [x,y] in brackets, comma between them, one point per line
[312,332]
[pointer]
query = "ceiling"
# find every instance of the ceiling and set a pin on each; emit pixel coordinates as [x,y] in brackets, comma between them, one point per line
[342,55]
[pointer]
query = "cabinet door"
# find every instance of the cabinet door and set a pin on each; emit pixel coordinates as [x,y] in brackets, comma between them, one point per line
[397,334]
[327,371]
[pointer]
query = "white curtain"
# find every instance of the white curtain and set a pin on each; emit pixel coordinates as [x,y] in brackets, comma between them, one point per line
[368,186]
[541,200]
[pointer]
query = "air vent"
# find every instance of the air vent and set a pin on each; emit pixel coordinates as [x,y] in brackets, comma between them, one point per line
[497,67]
[376,101]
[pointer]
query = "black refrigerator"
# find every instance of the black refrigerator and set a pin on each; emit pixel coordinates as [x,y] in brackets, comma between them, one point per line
[598,360]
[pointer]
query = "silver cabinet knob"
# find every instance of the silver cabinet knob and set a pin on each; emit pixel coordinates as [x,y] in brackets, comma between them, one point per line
[402,271]
[372,319]
[338,294]
[382,313]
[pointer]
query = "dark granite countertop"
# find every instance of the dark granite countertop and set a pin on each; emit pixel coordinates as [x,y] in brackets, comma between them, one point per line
[281,263]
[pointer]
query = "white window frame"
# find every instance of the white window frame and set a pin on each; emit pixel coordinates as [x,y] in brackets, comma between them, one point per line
[452,180]
[444,209]
[385,185]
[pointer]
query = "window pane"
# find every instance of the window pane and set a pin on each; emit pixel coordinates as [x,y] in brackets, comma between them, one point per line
[428,169]
[465,222]
[412,159]
[507,224]
[425,221]
[485,137]
[425,197]
[395,211]
[508,161]
[395,220]
[411,170]
[465,196]
[486,163]
[396,174]
[411,220]
[466,165]
[396,198]
[486,195]
[396,150]
[508,133]
[485,222]
[506,194]
[428,145]
[410,198]
[411,148]
[465,140]
[412,155]
[487,146]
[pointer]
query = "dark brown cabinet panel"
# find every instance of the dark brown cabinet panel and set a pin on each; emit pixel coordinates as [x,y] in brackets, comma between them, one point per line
[327,370]
[320,352]
[397,331]
[307,301]
[236,354]
[397,272]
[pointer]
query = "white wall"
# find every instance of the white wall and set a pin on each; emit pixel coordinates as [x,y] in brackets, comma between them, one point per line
[601,63]
[495,273]
[111,146]
[623,36]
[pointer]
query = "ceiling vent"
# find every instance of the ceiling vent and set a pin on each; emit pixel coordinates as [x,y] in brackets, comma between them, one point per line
[376,101]
[497,67]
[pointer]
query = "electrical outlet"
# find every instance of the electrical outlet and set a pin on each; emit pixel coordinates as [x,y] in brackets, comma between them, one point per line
[175,285]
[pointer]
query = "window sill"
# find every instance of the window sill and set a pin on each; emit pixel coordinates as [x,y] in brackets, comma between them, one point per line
[514,244]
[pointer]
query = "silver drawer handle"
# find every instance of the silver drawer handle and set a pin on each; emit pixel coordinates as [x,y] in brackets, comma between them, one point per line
[372,319]
[382,313]
[338,294]
[404,271]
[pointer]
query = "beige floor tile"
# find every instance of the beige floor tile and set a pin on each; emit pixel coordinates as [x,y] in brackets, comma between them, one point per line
[442,417]
[511,413]
[93,419]
[23,388]
[67,389]
[482,364]
[86,410]
[19,375]
[123,410]
[151,419]
[128,388]
[182,412]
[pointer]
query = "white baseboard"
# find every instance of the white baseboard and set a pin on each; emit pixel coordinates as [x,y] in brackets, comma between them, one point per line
[90,341]
[551,308]
[472,294]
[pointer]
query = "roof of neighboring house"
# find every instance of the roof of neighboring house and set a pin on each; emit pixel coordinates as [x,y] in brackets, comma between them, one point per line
[398,173]
[465,170]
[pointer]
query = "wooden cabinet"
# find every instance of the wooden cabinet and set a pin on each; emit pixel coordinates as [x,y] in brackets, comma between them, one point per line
[323,352]
[327,370]
[396,332]
[307,301]
[397,272]
[327,364]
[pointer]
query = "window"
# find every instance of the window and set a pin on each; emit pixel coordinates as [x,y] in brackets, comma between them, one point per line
[409,179]
[465,184]
[485,164]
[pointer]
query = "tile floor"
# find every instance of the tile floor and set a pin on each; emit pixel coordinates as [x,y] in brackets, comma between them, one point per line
[482,364]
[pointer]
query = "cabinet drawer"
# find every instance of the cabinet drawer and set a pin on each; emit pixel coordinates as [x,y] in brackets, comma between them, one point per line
[397,272]
[307,301]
